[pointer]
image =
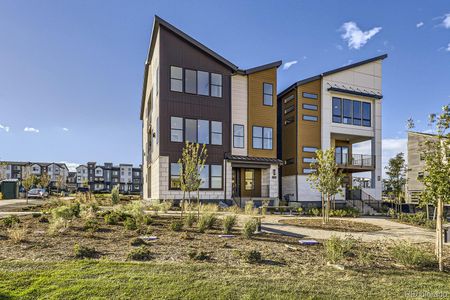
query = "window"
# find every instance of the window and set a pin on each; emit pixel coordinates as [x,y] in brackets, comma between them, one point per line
[176,129]
[203,131]
[216,176]
[366,114]
[310,95]
[337,110]
[289,120]
[310,106]
[290,98]
[190,83]
[249,176]
[267,93]
[310,149]
[357,113]
[191,130]
[262,137]
[176,79]
[216,85]
[309,160]
[289,161]
[310,118]
[308,171]
[289,109]
[216,133]
[175,176]
[347,111]
[238,136]
[203,83]
[204,177]
[341,155]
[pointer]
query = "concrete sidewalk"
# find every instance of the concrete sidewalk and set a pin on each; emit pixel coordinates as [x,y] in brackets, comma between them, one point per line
[391,230]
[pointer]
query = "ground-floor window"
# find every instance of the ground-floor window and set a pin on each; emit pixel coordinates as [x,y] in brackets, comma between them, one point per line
[210,176]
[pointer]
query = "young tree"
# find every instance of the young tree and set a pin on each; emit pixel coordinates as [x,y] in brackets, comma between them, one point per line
[27,183]
[44,181]
[327,179]
[60,183]
[396,172]
[436,153]
[191,164]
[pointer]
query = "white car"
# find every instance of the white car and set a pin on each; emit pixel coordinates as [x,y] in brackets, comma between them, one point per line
[37,193]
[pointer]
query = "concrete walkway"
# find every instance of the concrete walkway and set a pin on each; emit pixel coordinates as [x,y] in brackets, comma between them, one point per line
[391,230]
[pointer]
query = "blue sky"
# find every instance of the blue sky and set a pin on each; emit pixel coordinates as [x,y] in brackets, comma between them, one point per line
[73,70]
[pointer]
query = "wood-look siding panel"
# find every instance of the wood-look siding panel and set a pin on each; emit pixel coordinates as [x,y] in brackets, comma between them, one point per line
[260,114]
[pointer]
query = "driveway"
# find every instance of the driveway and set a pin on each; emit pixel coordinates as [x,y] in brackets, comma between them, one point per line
[391,230]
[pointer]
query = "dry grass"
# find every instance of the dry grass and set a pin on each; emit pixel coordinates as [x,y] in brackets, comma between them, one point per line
[333,224]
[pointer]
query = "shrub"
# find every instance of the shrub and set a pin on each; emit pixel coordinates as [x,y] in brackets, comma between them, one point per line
[137,242]
[84,252]
[249,207]
[228,223]
[234,209]
[88,211]
[190,219]
[43,219]
[252,256]
[10,221]
[140,254]
[16,233]
[314,211]
[249,228]
[209,207]
[176,225]
[112,218]
[130,223]
[391,213]
[147,220]
[91,225]
[66,212]
[194,255]
[410,255]
[115,196]
[57,225]
[336,248]
[36,215]
[206,221]
[300,210]
[165,205]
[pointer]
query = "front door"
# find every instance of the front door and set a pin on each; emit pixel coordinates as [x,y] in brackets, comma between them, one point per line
[236,182]
[251,183]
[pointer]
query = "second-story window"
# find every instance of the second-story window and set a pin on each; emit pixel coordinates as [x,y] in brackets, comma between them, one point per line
[238,136]
[176,129]
[191,130]
[262,138]
[216,85]
[190,83]
[216,133]
[176,79]
[267,93]
[203,83]
[203,131]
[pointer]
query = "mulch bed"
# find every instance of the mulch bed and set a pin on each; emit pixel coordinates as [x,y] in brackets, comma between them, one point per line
[333,225]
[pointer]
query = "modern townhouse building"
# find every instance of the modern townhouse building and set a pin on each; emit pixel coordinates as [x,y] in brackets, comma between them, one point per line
[82,175]
[192,94]
[19,170]
[335,109]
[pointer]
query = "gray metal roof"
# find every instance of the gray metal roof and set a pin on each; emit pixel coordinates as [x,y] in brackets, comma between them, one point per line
[242,158]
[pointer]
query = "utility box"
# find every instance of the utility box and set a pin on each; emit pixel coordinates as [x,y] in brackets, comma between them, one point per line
[9,189]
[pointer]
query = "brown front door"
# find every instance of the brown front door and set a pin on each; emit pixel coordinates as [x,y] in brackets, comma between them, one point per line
[250,183]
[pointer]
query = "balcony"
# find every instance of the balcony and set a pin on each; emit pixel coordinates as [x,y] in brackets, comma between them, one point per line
[356,163]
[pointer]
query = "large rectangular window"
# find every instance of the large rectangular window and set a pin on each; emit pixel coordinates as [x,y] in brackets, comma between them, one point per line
[216,85]
[216,133]
[176,79]
[267,138]
[176,129]
[175,176]
[347,111]
[257,137]
[216,176]
[341,154]
[357,113]
[268,93]
[262,138]
[337,110]
[191,130]
[366,114]
[190,83]
[203,83]
[238,136]
[204,177]
[203,131]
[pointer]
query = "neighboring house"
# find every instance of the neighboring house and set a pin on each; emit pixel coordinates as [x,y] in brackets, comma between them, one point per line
[72,181]
[82,175]
[190,93]
[338,108]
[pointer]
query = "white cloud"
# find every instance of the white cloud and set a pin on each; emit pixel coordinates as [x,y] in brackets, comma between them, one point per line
[420,24]
[448,47]
[65,129]
[446,22]
[31,129]
[355,37]
[5,128]
[289,64]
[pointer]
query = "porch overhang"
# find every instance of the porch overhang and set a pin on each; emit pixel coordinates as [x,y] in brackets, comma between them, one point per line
[241,161]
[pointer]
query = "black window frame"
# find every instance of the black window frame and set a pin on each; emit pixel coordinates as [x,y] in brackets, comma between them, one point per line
[369,120]
[262,138]
[211,84]
[178,129]
[211,176]
[336,118]
[178,79]
[186,70]
[186,130]
[267,94]
[347,117]
[238,136]
[216,133]
[209,131]
[171,176]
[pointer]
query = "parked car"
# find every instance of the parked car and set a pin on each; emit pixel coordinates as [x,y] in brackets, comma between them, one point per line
[37,193]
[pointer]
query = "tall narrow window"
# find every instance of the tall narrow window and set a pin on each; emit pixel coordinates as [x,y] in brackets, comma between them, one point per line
[176,129]
[268,93]
[337,110]
[203,131]
[267,138]
[216,176]
[257,137]
[249,176]
[204,177]
[216,133]
[366,114]
[238,136]
[357,113]
[176,79]
[190,83]
[347,111]
[216,85]
[203,83]
[338,155]
[175,176]
[191,130]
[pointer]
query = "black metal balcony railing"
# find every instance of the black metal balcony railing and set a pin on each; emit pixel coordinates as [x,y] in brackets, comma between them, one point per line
[356,160]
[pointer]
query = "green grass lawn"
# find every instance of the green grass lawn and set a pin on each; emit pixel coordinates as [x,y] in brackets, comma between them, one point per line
[116,280]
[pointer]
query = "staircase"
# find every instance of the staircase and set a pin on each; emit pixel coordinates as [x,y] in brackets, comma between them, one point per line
[365,203]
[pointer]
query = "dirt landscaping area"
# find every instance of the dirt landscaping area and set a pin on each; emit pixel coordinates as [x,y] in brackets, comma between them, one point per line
[333,225]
